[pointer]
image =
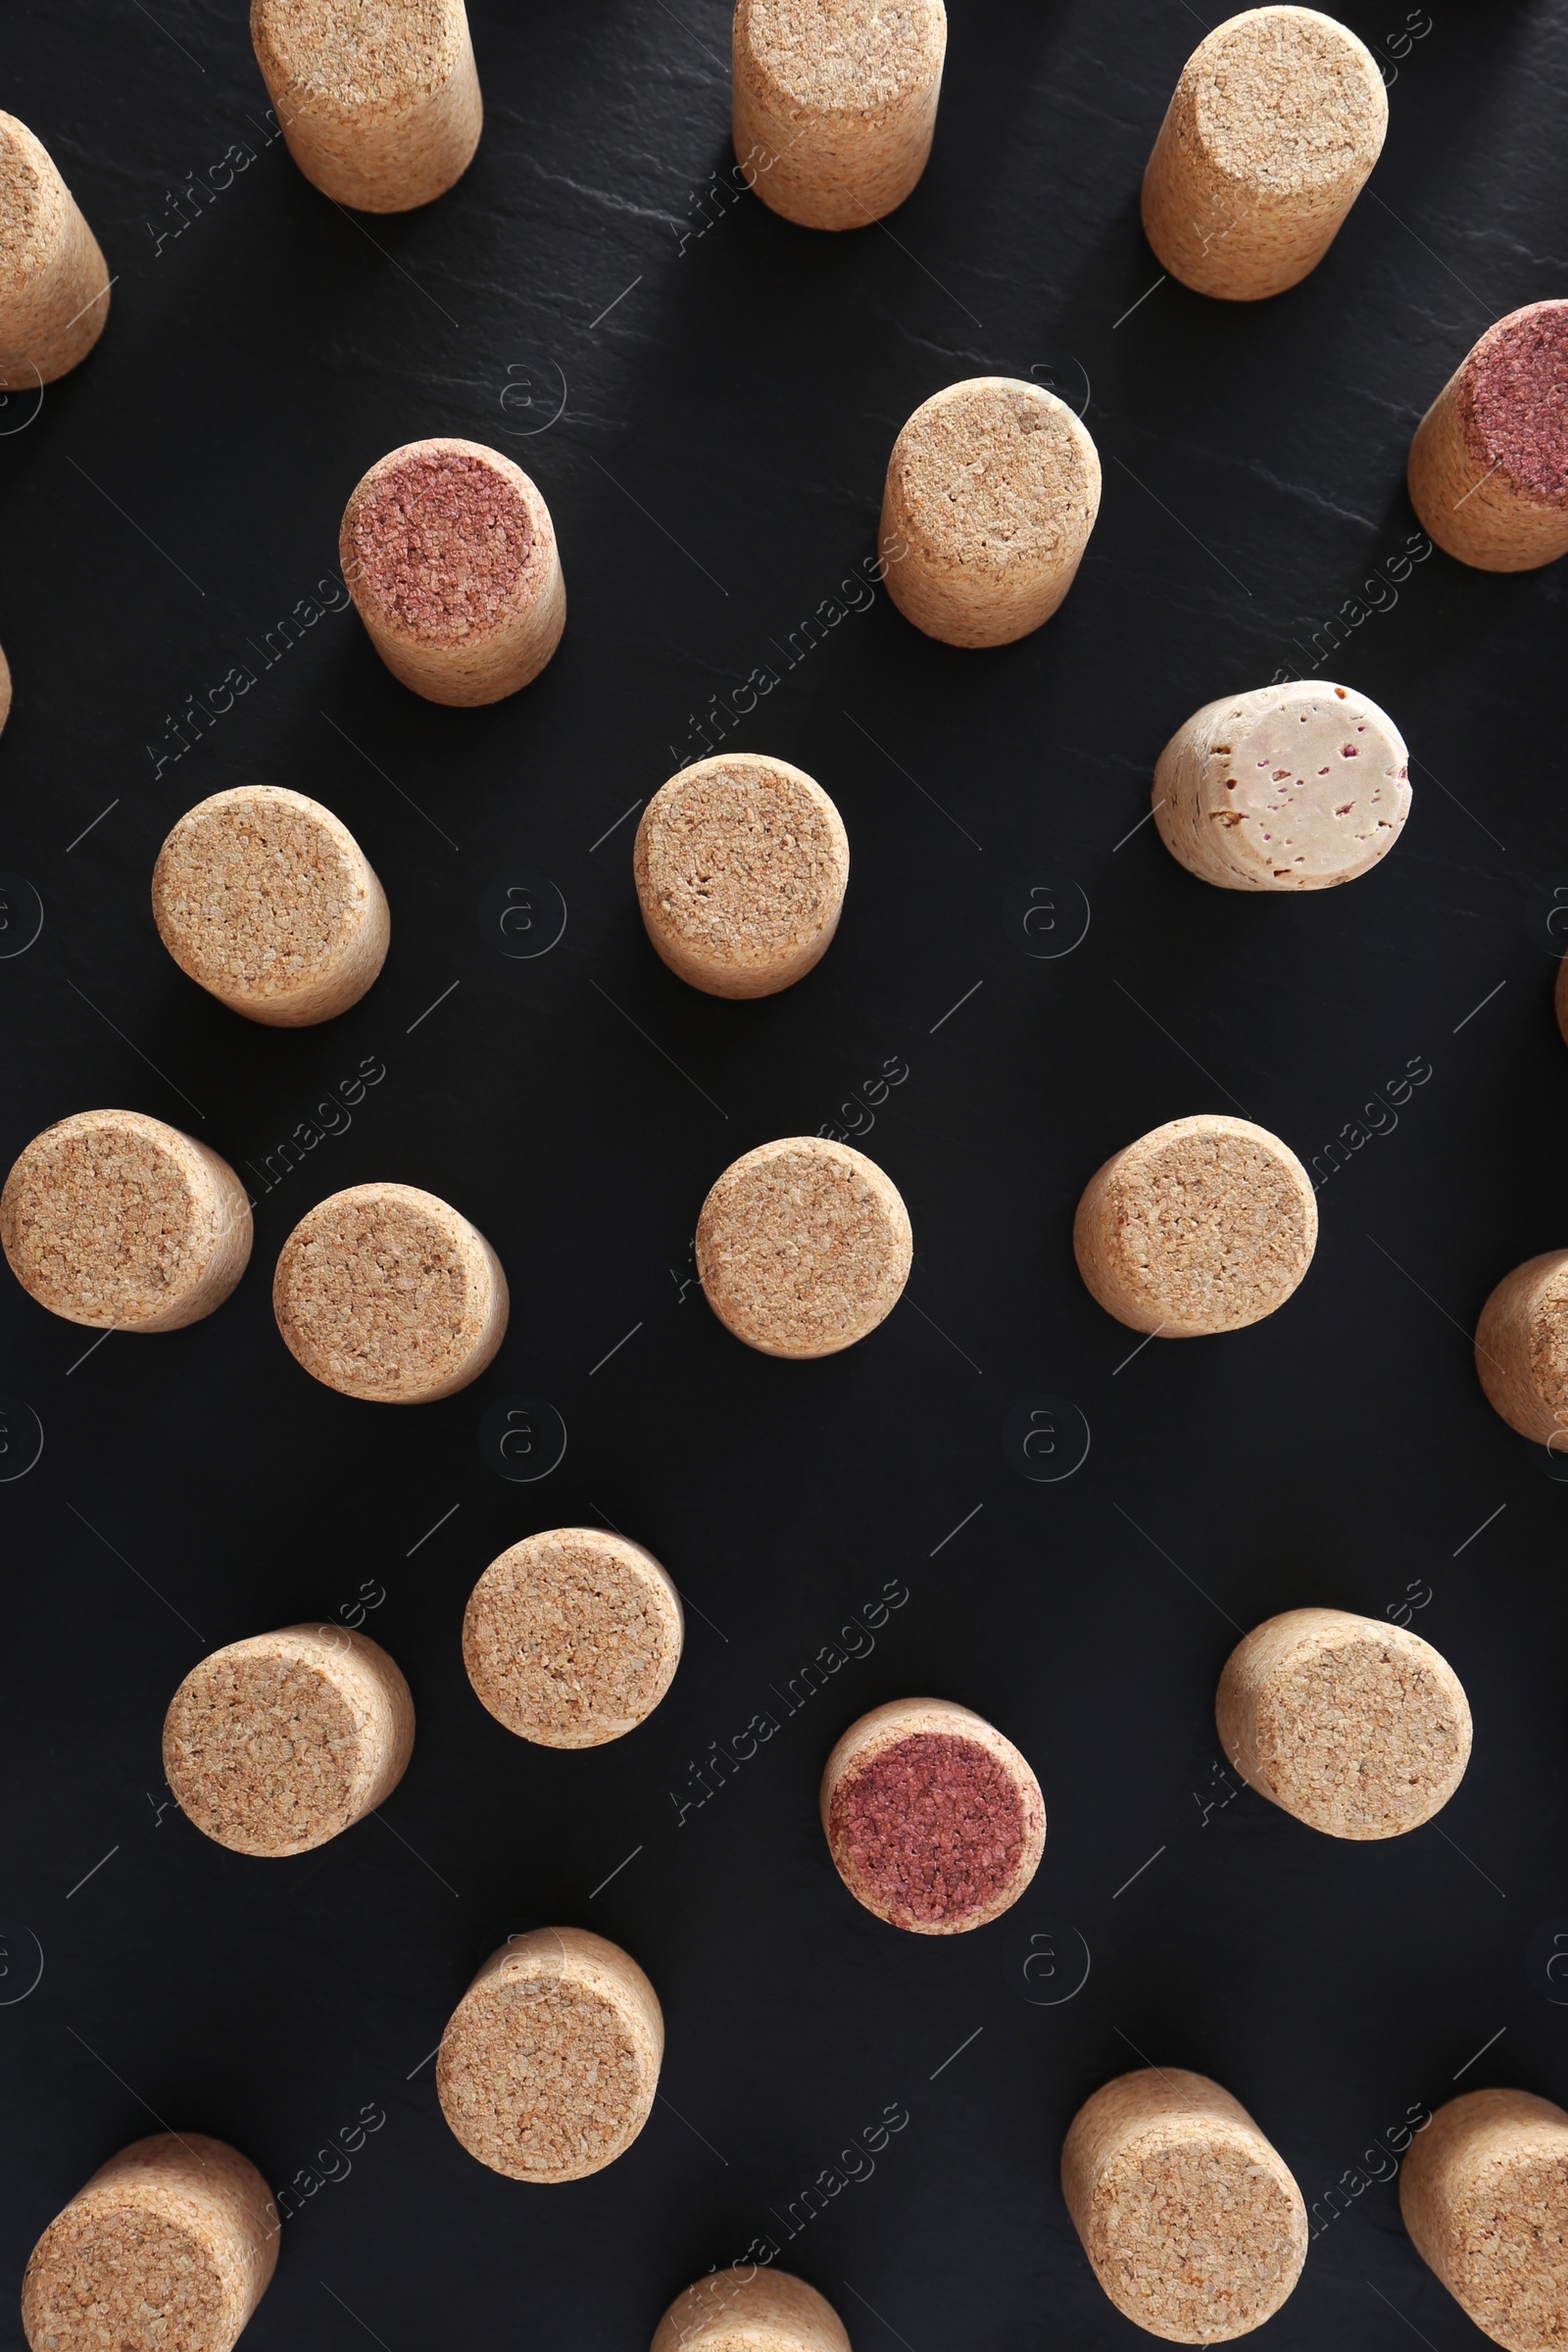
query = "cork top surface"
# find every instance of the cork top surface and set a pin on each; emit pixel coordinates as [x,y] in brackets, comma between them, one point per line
[803,1246]
[1211,1220]
[438,536]
[109,1218]
[360,55]
[930,1830]
[1548,1342]
[258,891]
[382,1291]
[1486,2199]
[1195,2229]
[571,1638]
[844,57]
[996,472]
[24,205]
[1287,101]
[1311,783]
[750,2309]
[1513,400]
[742,860]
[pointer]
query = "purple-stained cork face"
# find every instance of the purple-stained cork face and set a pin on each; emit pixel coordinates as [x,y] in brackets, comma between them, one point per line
[1518,400]
[441,541]
[932,1828]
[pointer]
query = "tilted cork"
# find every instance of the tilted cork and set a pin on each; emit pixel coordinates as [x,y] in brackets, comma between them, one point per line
[750,2310]
[835,103]
[385,1293]
[803,1246]
[549,2066]
[117,1221]
[1191,2222]
[741,864]
[1202,1225]
[450,556]
[1275,125]
[169,2248]
[1522,1348]
[1483,2195]
[935,1822]
[379,104]
[992,491]
[1292,787]
[276,1744]
[571,1638]
[54,281]
[1489,464]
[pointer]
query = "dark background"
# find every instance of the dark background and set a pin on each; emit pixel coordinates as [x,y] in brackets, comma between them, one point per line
[713,475]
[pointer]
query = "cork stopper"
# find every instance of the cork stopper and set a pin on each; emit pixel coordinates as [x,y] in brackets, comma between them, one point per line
[571,1638]
[1483,2195]
[172,2245]
[750,2310]
[1287,788]
[1489,464]
[835,103]
[379,105]
[548,2068]
[803,1246]
[113,1219]
[1359,1728]
[1202,1225]
[276,1744]
[935,1822]
[1522,1348]
[741,864]
[54,281]
[269,904]
[5,687]
[1275,125]
[1191,2220]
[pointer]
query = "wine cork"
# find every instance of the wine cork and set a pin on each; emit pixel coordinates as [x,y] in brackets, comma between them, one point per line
[1292,787]
[1274,127]
[5,687]
[385,1293]
[1489,464]
[741,864]
[935,1822]
[276,1744]
[1191,2222]
[1560,1000]
[835,103]
[54,281]
[172,2243]
[549,2066]
[379,106]
[803,1246]
[450,556]
[1202,1225]
[115,1220]
[1483,2195]
[993,489]
[750,2310]
[1357,1727]
[269,904]
[573,1637]
[1522,1348]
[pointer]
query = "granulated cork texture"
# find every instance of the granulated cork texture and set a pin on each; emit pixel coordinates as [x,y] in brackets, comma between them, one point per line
[1483,2195]
[1522,1348]
[442,542]
[747,2309]
[844,57]
[573,1637]
[54,281]
[835,103]
[378,99]
[803,1246]
[361,57]
[1513,400]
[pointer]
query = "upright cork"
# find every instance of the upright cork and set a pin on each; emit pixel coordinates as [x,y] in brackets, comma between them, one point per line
[571,1638]
[385,1293]
[992,491]
[835,103]
[1522,1348]
[381,106]
[741,864]
[548,2068]
[1483,2195]
[113,1219]
[1191,2222]
[1287,788]
[1275,125]
[750,2310]
[450,556]
[1202,1225]
[54,281]
[276,1744]
[173,2243]
[803,1246]
[1489,464]
[935,1822]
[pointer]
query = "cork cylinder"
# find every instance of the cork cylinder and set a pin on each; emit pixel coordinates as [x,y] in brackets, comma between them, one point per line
[935,1822]
[172,2245]
[1358,1728]
[992,491]
[1274,127]
[268,902]
[5,687]
[450,556]
[571,1638]
[379,106]
[548,2068]
[1202,1225]
[1489,465]
[750,2310]
[115,1220]
[54,281]
[835,103]
[1522,1348]
[276,1744]
[741,864]
[1191,2222]
[1483,2195]
[803,1246]
[1295,787]
[385,1293]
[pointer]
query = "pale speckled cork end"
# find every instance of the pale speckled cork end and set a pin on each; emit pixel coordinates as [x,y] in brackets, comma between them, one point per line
[54,291]
[803,1246]
[1488,472]
[381,112]
[835,107]
[571,1638]
[749,2309]
[1522,1349]
[1483,2195]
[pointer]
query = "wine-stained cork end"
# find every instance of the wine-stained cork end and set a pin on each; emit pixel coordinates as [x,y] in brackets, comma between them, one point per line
[54,281]
[835,103]
[571,1638]
[747,2309]
[1483,2195]
[803,1248]
[1489,465]
[380,105]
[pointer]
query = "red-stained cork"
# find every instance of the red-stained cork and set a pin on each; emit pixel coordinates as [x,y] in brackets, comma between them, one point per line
[442,540]
[1489,464]
[1516,403]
